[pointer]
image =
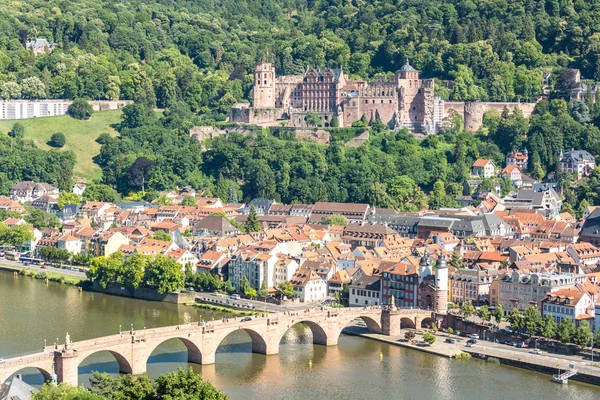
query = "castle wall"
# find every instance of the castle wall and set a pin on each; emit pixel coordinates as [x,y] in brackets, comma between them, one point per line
[472,112]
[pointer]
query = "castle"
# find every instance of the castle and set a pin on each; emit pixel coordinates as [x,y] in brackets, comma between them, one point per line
[402,101]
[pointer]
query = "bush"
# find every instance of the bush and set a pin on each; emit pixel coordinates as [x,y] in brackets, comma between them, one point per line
[17,131]
[462,356]
[103,138]
[58,139]
[41,275]
[80,109]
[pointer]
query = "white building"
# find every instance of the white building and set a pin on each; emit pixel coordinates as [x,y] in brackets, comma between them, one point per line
[571,303]
[484,168]
[577,161]
[365,291]
[308,286]
[69,243]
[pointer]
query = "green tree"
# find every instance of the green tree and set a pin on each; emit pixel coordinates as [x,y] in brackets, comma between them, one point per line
[165,274]
[40,219]
[185,385]
[583,335]
[33,88]
[456,261]
[335,219]
[263,292]
[566,330]
[244,285]
[429,337]
[516,320]
[548,329]
[532,320]
[409,336]
[467,309]
[498,314]
[132,272]
[252,224]
[313,119]
[80,109]
[65,198]
[17,131]
[189,201]
[64,391]
[464,87]
[286,289]
[162,235]
[17,235]
[58,139]
[484,313]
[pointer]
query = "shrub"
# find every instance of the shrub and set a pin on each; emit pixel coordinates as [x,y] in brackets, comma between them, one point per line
[462,356]
[58,139]
[80,109]
[41,275]
[103,138]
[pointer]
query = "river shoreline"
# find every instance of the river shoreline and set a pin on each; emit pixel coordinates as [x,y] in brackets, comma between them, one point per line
[51,275]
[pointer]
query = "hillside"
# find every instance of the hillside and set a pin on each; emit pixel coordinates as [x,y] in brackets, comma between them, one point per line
[81,137]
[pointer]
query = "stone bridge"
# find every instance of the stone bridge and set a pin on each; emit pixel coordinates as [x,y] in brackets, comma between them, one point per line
[133,348]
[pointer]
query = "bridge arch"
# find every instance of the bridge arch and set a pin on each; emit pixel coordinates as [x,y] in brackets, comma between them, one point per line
[194,354]
[259,344]
[407,323]
[26,370]
[427,323]
[319,336]
[124,364]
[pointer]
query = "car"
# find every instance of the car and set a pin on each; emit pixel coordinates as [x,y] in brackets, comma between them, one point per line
[190,289]
[246,319]
[472,341]
[469,344]
[520,345]
[82,270]
[215,294]
[362,323]
[536,351]
[235,297]
[43,267]
[2,254]
[450,340]
[247,304]
[473,336]
[1,361]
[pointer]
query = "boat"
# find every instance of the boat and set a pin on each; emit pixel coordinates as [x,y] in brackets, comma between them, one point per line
[564,377]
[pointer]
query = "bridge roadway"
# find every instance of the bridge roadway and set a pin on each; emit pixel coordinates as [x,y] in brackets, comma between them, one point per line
[132,349]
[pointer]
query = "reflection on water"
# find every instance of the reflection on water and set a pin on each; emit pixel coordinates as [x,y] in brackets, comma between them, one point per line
[350,370]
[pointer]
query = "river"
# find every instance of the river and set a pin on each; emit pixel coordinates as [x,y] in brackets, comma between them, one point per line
[31,312]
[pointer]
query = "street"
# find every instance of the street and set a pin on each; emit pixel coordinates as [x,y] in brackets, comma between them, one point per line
[225,300]
[17,264]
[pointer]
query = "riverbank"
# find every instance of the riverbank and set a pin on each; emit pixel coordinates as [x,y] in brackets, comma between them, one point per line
[434,349]
[43,275]
[545,363]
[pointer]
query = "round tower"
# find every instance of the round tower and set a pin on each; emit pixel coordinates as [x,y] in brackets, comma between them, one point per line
[441,282]
[264,86]
[424,267]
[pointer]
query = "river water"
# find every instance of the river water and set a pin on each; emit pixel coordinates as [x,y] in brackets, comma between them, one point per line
[31,312]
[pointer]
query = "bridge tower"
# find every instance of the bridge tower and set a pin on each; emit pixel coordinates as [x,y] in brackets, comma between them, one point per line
[441,282]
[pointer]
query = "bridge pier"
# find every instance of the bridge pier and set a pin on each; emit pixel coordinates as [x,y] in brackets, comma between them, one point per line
[67,367]
[390,322]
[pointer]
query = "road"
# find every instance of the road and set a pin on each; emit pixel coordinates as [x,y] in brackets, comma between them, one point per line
[32,267]
[223,300]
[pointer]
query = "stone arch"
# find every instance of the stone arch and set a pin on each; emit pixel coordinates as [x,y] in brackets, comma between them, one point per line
[259,344]
[194,353]
[45,374]
[372,325]
[427,323]
[319,334]
[407,323]
[124,364]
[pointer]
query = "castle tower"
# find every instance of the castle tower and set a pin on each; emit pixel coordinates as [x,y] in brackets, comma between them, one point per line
[264,86]
[441,282]
[424,267]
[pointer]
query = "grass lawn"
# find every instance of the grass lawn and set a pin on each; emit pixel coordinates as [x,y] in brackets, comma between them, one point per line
[81,137]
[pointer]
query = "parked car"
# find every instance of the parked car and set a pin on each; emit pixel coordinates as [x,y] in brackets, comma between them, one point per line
[235,296]
[43,267]
[2,254]
[450,340]
[472,341]
[536,351]
[473,336]
[469,344]
[215,294]
[246,319]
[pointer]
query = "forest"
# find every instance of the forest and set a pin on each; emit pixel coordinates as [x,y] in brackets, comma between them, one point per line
[203,53]
[196,59]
